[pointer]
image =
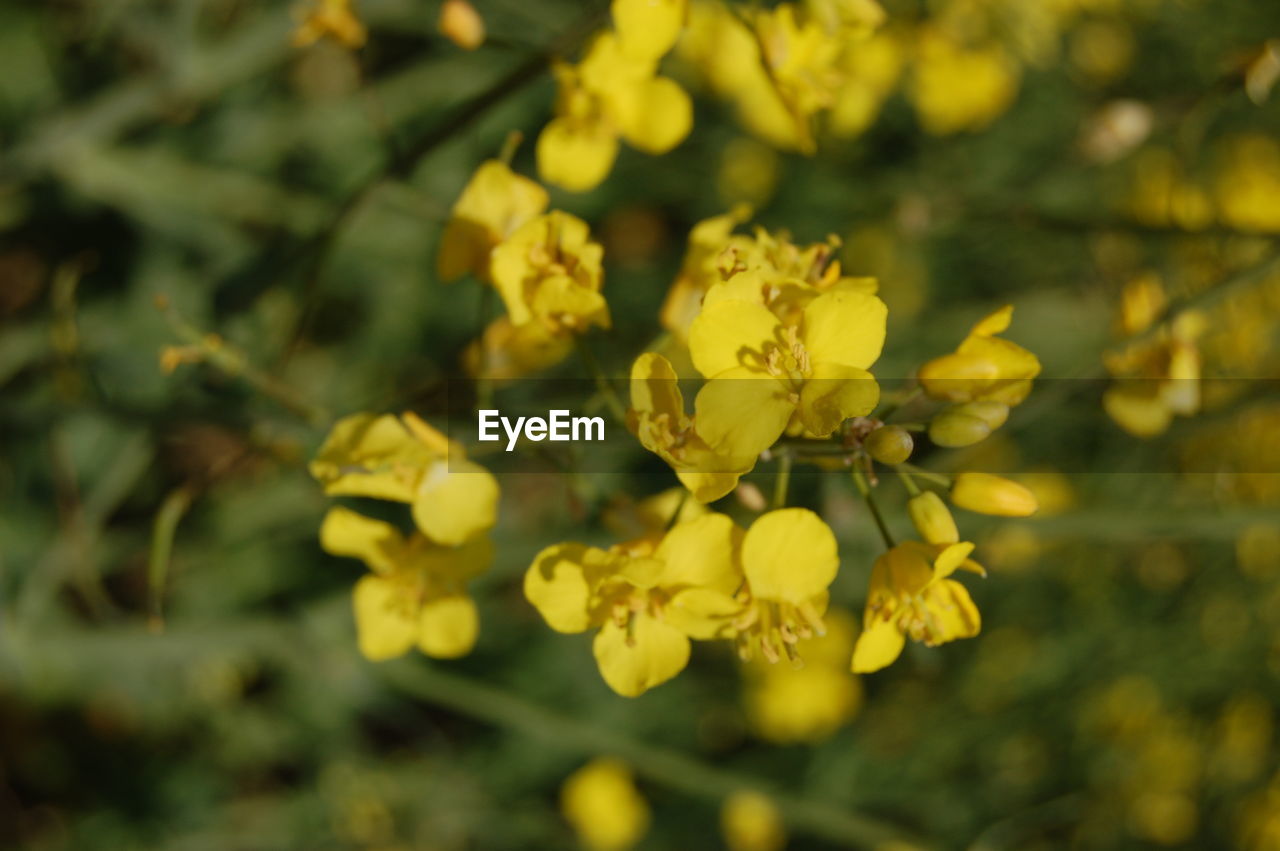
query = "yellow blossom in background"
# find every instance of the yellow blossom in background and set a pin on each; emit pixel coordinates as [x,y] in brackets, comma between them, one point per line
[1246,188]
[956,88]
[910,595]
[403,459]
[750,821]
[989,494]
[699,270]
[1160,194]
[788,704]
[461,23]
[763,373]
[871,71]
[415,594]
[600,801]
[549,271]
[1159,377]
[335,19]
[657,417]
[494,204]
[616,92]
[646,598]
[507,351]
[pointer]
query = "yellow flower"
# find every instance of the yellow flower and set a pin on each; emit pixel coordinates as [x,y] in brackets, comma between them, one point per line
[333,18]
[762,372]
[956,88]
[601,802]
[1247,183]
[801,57]
[658,419]
[1160,377]
[984,368]
[506,351]
[416,592]
[461,23]
[494,204]
[788,704]
[751,822]
[646,598]
[872,71]
[549,271]
[403,459]
[988,494]
[700,269]
[615,92]
[789,560]
[911,595]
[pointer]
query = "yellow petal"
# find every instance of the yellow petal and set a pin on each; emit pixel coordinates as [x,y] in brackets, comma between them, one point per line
[653,653]
[708,487]
[370,455]
[456,500]
[601,802]
[834,393]
[447,627]
[1137,410]
[877,647]
[346,533]
[953,613]
[702,613]
[647,29]
[702,553]
[950,558]
[654,386]
[740,413]
[567,302]
[994,323]
[789,556]
[386,619]
[731,334]
[657,116]
[575,155]
[558,586]
[845,327]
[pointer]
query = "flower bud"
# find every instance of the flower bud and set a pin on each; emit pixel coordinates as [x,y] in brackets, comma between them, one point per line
[953,429]
[994,414]
[932,519]
[988,494]
[890,444]
[461,24]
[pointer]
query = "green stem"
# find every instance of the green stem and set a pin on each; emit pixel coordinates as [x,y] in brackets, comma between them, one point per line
[860,482]
[902,400]
[605,389]
[832,822]
[937,478]
[912,488]
[164,528]
[782,481]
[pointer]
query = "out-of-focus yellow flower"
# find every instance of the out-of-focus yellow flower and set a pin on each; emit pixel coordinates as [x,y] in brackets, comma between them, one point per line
[1160,377]
[751,822]
[604,807]
[461,24]
[989,494]
[911,595]
[1102,50]
[615,92]
[507,351]
[657,417]
[956,88]
[647,598]
[334,19]
[1262,72]
[549,271]
[492,206]
[763,373]
[1161,195]
[788,704]
[872,70]
[1247,183]
[403,459]
[748,172]
[984,368]
[416,592]
[1142,302]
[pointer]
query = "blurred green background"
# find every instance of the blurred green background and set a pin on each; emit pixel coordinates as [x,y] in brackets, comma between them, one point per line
[1122,693]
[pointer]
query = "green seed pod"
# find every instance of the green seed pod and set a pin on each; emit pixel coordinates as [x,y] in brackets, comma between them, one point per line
[890,444]
[953,429]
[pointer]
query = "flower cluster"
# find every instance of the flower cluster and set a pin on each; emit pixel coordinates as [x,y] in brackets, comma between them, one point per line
[416,591]
[544,265]
[615,92]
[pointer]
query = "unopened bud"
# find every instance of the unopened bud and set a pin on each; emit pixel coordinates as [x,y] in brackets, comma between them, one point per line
[953,429]
[890,444]
[932,519]
[988,494]
[461,24]
[994,414]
